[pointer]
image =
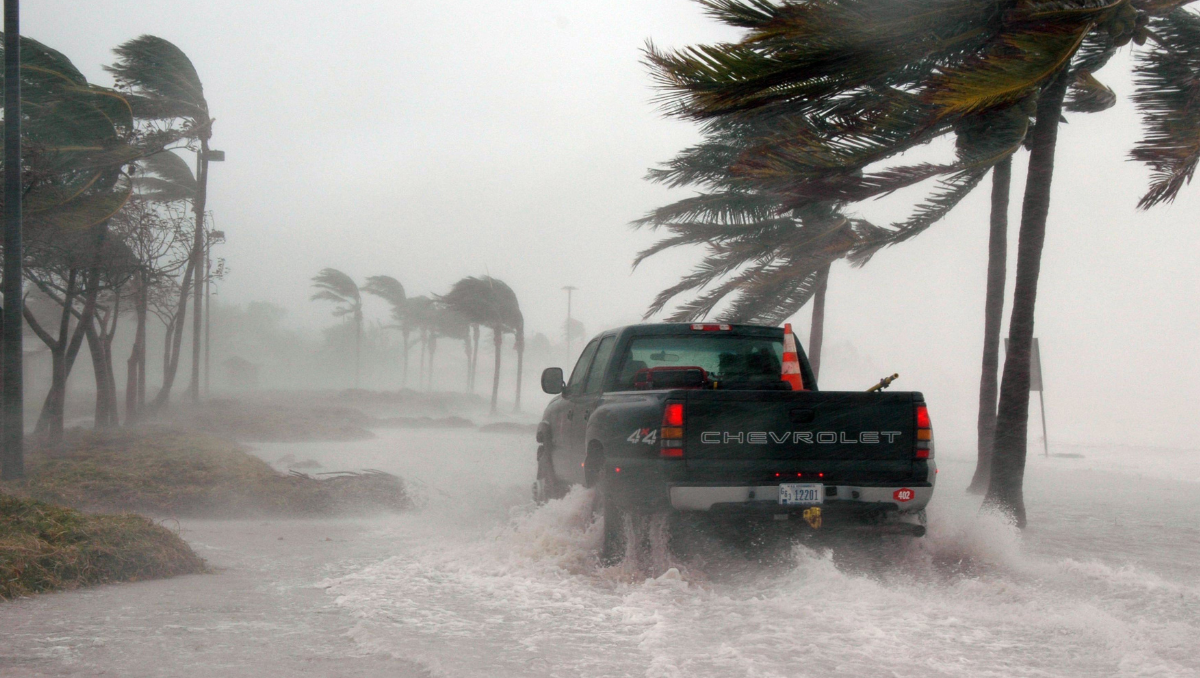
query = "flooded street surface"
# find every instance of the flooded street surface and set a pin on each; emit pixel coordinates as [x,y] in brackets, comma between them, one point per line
[1106,582]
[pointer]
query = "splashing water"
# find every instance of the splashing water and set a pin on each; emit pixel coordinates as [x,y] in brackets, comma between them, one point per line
[520,592]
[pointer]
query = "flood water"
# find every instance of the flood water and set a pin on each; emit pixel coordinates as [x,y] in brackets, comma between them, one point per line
[479,581]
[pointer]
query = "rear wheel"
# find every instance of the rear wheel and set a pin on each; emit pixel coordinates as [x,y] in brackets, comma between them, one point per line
[547,486]
[613,549]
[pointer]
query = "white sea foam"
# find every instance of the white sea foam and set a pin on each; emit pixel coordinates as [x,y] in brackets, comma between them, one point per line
[975,597]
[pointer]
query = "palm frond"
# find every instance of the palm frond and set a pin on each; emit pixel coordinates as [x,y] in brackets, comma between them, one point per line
[333,285]
[1089,95]
[1016,64]
[165,177]
[387,288]
[162,77]
[1167,93]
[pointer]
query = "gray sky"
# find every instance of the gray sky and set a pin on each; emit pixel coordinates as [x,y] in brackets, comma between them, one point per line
[429,141]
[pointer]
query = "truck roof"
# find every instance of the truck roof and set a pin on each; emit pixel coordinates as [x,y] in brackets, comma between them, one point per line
[681,328]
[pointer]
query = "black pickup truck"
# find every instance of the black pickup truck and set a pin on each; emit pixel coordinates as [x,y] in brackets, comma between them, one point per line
[697,418]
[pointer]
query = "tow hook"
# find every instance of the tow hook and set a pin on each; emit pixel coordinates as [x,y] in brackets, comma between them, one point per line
[812,516]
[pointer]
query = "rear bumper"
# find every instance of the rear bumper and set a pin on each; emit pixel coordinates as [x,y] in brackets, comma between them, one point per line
[765,498]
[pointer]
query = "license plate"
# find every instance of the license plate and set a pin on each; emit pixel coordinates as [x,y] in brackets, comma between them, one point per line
[801,494]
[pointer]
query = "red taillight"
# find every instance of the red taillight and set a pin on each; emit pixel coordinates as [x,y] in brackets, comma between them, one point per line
[924,433]
[670,436]
[709,327]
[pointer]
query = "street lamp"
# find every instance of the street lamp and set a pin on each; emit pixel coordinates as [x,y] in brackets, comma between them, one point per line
[569,289]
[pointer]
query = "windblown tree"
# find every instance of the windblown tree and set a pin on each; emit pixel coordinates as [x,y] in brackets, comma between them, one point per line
[905,73]
[154,225]
[73,268]
[391,291]
[337,287]
[164,88]
[77,139]
[445,323]
[488,302]
[418,317]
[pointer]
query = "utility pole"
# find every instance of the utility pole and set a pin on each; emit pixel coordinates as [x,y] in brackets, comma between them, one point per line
[13,464]
[214,238]
[203,156]
[569,289]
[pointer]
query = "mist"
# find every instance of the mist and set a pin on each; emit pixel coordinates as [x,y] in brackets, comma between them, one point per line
[434,141]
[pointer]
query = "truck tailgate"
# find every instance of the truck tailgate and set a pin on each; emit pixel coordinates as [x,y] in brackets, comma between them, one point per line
[798,426]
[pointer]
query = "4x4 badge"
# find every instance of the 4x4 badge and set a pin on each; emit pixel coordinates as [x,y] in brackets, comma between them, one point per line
[644,435]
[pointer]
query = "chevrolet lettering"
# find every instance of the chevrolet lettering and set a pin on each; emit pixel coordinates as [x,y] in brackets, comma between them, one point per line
[726,423]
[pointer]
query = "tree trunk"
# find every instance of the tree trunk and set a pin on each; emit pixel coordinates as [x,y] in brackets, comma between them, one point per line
[198,262]
[520,346]
[421,373]
[357,347]
[63,352]
[50,421]
[432,353]
[474,355]
[467,351]
[100,420]
[404,377]
[136,363]
[498,341]
[816,335]
[175,340]
[993,312]
[1005,487]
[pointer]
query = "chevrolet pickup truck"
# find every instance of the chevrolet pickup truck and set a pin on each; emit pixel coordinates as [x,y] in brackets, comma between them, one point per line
[697,418]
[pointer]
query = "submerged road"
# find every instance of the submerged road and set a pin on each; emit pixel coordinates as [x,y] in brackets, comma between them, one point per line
[1106,582]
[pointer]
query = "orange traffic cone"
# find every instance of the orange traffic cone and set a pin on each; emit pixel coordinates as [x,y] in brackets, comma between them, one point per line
[791,362]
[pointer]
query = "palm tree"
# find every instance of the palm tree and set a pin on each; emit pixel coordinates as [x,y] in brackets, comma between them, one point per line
[390,290]
[832,65]
[488,302]
[339,288]
[419,316]
[162,84]
[514,321]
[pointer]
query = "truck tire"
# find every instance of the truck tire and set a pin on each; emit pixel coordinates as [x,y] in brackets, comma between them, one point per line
[612,551]
[546,486]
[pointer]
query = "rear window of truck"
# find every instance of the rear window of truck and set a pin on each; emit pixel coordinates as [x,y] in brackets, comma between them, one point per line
[723,357]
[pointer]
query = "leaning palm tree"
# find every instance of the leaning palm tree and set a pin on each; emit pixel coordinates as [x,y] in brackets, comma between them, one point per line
[339,288]
[487,302]
[835,67]
[514,322]
[390,290]
[162,85]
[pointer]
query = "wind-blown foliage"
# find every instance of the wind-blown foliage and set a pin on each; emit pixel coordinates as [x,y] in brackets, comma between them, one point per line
[1167,93]
[77,139]
[340,289]
[165,177]
[491,303]
[162,82]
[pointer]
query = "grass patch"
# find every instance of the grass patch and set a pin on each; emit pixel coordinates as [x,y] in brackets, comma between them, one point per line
[169,472]
[49,548]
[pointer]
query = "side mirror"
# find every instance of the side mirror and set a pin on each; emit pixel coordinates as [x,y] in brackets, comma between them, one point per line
[552,380]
